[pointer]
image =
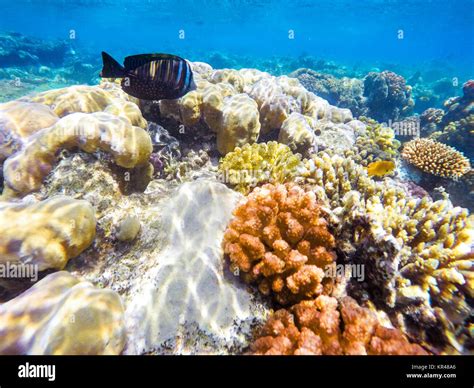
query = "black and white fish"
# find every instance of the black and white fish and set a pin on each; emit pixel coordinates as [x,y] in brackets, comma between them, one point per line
[151,76]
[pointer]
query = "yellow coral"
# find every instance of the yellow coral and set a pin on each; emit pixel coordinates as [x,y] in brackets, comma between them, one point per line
[240,123]
[250,165]
[130,146]
[416,252]
[436,158]
[46,234]
[61,315]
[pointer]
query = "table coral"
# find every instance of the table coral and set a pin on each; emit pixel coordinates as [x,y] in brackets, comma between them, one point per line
[436,158]
[416,252]
[280,240]
[62,315]
[46,234]
[250,165]
[326,326]
[130,146]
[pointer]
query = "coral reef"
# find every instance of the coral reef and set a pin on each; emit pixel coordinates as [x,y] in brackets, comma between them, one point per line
[242,105]
[62,315]
[457,125]
[436,158]
[377,142]
[20,50]
[330,327]
[343,93]
[45,234]
[130,146]
[416,252]
[388,96]
[246,167]
[280,240]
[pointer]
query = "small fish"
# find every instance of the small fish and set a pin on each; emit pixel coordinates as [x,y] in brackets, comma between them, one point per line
[380,168]
[151,76]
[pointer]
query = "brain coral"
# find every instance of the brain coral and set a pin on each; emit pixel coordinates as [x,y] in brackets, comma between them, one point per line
[330,327]
[130,146]
[250,165]
[279,240]
[61,315]
[416,253]
[436,158]
[47,233]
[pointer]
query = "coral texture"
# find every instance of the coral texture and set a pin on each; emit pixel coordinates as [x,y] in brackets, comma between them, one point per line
[47,233]
[280,240]
[436,158]
[61,315]
[388,96]
[416,252]
[130,146]
[330,327]
[250,165]
[242,105]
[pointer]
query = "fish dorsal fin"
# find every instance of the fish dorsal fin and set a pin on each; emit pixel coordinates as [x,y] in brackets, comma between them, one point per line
[134,61]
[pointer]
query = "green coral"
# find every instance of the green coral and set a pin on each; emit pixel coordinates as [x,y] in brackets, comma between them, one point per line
[254,164]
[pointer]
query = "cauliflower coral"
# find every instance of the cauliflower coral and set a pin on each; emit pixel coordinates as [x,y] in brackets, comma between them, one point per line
[330,327]
[279,240]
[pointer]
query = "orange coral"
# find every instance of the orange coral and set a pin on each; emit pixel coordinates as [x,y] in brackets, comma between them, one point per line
[279,240]
[315,327]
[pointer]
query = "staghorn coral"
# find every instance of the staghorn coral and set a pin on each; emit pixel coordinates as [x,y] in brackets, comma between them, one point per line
[250,165]
[62,315]
[130,146]
[279,240]
[326,326]
[436,158]
[46,234]
[416,252]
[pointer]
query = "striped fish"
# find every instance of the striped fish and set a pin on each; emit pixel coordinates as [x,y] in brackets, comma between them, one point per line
[151,76]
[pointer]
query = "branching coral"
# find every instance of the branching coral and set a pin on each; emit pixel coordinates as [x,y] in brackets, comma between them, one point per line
[330,327]
[130,146]
[279,240]
[416,252]
[436,158]
[61,315]
[377,142]
[46,234]
[250,165]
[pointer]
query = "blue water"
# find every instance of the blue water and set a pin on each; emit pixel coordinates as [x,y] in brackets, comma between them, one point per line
[409,33]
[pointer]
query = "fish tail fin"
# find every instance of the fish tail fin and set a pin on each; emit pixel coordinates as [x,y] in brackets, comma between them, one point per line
[111,68]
